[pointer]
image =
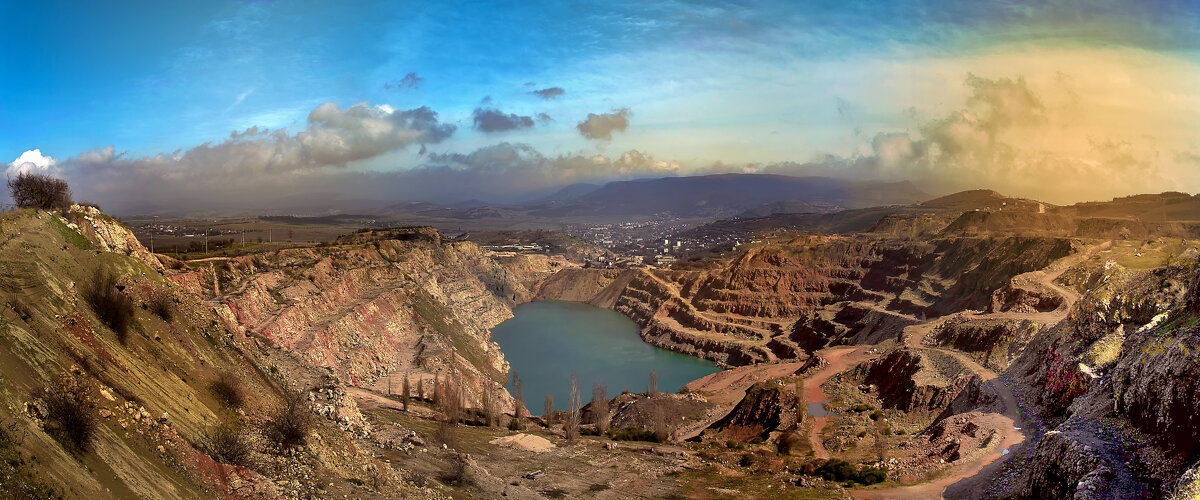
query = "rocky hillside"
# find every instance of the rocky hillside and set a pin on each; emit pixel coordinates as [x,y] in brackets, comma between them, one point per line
[111,379]
[377,306]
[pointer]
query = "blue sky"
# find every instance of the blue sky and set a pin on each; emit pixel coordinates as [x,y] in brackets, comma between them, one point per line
[820,87]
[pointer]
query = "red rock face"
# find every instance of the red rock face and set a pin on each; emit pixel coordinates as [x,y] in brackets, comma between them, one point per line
[369,310]
[782,300]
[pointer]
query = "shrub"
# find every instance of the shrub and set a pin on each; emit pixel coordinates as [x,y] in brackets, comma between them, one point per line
[456,471]
[747,460]
[70,410]
[514,425]
[22,309]
[112,306]
[40,191]
[632,434]
[859,408]
[876,415]
[227,443]
[789,442]
[227,389]
[842,471]
[289,424]
[162,307]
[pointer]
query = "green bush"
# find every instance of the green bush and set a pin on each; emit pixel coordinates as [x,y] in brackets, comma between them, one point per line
[876,415]
[632,434]
[514,425]
[843,471]
[859,408]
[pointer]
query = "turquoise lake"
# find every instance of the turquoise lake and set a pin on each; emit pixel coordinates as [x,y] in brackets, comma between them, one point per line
[546,341]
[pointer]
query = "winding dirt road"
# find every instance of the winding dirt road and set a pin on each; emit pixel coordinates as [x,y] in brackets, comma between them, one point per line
[1007,421]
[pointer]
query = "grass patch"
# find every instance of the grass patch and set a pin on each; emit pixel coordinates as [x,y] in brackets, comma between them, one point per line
[72,237]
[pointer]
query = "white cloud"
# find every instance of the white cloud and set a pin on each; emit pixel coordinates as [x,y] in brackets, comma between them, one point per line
[30,161]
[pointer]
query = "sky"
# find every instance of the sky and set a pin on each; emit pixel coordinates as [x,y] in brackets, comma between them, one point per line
[268,105]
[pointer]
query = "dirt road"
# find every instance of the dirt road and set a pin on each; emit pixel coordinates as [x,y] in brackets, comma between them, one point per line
[1009,420]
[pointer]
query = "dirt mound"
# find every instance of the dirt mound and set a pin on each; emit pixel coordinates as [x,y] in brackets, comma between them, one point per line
[768,406]
[527,442]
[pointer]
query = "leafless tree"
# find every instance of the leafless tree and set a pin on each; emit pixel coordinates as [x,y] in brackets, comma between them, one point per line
[421,388]
[549,415]
[451,403]
[653,382]
[405,392]
[40,191]
[519,410]
[600,415]
[658,425]
[574,400]
[491,413]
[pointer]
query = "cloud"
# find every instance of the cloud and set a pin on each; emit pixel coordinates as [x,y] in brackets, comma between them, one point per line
[492,120]
[1003,137]
[549,93]
[410,82]
[335,138]
[30,161]
[601,126]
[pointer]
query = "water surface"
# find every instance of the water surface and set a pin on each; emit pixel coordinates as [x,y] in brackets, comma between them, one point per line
[545,341]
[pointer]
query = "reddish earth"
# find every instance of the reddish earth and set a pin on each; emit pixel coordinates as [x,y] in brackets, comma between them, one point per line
[1009,420]
[840,359]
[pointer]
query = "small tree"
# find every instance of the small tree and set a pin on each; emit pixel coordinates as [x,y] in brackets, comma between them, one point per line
[490,411]
[600,415]
[228,389]
[39,191]
[227,443]
[653,382]
[549,415]
[421,389]
[290,422]
[112,306]
[405,392]
[450,402]
[574,400]
[519,410]
[70,410]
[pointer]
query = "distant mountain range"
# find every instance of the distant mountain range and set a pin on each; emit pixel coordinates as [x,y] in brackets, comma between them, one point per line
[708,196]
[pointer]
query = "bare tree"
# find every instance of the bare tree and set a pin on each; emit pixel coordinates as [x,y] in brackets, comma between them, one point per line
[549,415]
[421,388]
[490,414]
[40,191]
[574,399]
[658,425]
[406,392]
[451,403]
[519,410]
[437,387]
[653,382]
[600,415]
